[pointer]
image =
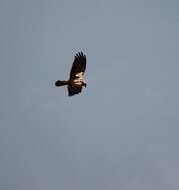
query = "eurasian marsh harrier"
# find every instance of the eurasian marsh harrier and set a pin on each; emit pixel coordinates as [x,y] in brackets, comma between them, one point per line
[75,82]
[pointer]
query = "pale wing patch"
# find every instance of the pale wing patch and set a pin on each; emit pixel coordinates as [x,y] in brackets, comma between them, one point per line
[80,75]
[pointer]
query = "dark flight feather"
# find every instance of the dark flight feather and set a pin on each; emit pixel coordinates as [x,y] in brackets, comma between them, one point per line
[79,65]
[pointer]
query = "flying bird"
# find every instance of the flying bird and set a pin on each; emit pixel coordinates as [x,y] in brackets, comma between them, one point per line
[75,82]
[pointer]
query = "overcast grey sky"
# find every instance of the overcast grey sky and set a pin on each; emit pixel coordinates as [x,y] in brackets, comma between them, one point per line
[122,131]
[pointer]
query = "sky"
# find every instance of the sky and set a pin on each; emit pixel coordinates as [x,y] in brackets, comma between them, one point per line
[122,131]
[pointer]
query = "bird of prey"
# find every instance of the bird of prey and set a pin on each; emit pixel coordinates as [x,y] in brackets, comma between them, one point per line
[75,82]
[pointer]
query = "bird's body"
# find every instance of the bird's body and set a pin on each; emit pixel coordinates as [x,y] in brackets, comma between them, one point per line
[75,82]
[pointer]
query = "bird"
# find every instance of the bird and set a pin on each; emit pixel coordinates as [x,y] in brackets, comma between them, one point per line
[75,82]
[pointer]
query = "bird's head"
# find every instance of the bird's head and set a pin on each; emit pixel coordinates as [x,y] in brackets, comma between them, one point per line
[84,84]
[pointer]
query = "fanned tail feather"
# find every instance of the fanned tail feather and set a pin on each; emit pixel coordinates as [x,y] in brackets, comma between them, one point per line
[61,83]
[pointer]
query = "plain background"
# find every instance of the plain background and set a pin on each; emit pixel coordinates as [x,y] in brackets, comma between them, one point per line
[122,131]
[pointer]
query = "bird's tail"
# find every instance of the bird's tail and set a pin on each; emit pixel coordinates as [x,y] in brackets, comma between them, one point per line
[61,83]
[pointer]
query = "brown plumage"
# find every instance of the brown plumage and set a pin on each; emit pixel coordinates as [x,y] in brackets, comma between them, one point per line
[75,82]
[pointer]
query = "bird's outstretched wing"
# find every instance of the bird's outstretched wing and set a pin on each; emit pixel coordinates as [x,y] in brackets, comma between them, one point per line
[78,66]
[72,90]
